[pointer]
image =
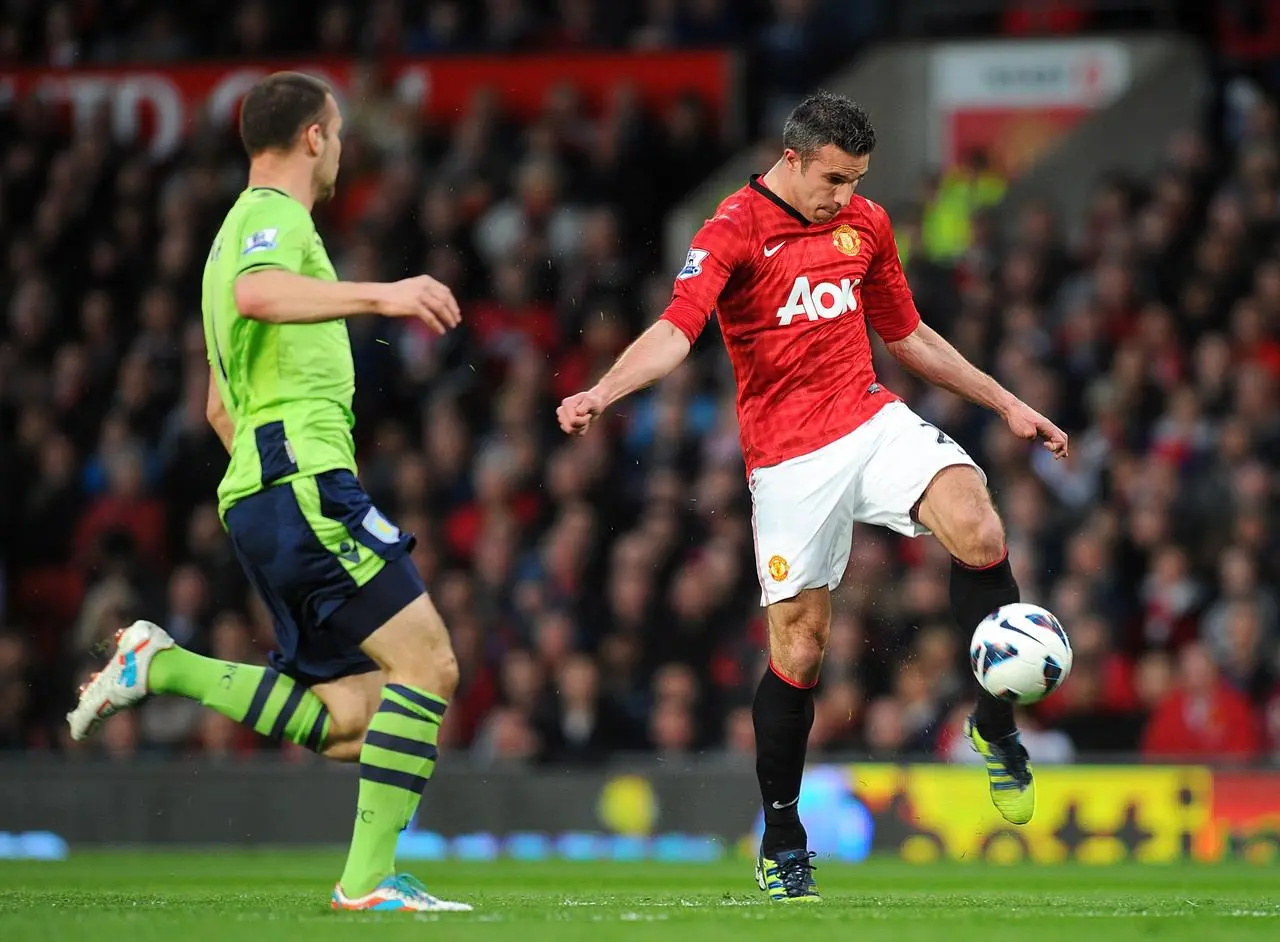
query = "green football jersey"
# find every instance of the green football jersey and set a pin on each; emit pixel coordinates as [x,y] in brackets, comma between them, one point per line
[288,387]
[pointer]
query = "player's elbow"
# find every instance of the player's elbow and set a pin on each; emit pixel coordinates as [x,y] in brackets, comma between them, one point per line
[910,349]
[675,342]
[252,301]
[219,420]
[214,411]
[899,349]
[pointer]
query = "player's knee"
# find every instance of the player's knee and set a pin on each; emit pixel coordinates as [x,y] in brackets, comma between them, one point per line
[798,660]
[345,736]
[430,667]
[798,641]
[343,750]
[414,649]
[446,669]
[804,651]
[983,542]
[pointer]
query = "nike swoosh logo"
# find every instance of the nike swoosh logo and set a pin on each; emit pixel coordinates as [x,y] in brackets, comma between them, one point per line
[769,253]
[785,804]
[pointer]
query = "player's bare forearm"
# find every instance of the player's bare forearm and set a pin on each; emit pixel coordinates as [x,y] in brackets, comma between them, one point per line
[284,297]
[653,355]
[930,357]
[218,417]
[927,354]
[226,431]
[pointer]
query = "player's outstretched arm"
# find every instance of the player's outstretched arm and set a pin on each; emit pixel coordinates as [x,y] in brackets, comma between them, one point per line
[926,353]
[655,353]
[283,297]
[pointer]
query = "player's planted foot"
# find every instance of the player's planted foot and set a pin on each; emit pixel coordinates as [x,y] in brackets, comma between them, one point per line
[1013,787]
[122,683]
[398,892]
[788,876]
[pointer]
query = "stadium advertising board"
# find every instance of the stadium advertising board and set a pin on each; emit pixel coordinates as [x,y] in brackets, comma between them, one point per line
[162,105]
[926,813]
[1084,814]
[1089,814]
[1014,99]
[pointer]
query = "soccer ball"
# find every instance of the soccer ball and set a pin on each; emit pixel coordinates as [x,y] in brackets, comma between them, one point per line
[1020,653]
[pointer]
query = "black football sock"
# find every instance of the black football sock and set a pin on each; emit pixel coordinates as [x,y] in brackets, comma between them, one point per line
[783,715]
[975,594]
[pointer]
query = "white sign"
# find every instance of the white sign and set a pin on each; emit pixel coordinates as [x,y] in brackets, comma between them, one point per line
[1030,74]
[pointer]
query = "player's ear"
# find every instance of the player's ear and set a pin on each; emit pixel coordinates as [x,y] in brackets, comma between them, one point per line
[314,137]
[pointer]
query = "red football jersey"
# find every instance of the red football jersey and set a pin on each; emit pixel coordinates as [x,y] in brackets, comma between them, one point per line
[791,296]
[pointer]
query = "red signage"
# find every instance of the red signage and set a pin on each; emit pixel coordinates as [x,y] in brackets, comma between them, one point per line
[1014,99]
[1012,138]
[161,105]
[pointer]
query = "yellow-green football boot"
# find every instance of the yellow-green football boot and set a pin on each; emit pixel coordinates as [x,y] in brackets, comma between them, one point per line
[1013,787]
[788,876]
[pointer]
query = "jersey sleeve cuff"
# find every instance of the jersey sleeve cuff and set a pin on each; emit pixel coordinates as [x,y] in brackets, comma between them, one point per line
[684,317]
[262,266]
[906,329]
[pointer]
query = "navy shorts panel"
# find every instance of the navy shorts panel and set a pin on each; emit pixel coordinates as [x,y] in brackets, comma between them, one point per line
[344,500]
[305,585]
[381,598]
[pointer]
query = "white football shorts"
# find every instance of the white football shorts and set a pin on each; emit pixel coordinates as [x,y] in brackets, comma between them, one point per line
[804,509]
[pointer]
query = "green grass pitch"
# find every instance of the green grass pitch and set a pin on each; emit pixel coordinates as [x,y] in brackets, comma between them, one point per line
[280,896]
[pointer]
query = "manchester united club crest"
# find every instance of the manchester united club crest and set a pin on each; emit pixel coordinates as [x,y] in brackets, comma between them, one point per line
[846,240]
[778,568]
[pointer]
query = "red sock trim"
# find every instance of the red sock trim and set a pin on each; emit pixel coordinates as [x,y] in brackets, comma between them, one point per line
[1003,557]
[787,680]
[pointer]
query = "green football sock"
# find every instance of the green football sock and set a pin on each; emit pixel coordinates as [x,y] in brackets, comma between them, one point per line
[258,697]
[397,759]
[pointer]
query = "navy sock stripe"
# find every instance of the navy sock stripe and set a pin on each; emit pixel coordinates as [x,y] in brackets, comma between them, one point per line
[393,777]
[286,712]
[431,706]
[316,736]
[391,706]
[400,744]
[260,696]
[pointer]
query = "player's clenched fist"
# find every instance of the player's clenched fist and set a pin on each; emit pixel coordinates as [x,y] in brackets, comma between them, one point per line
[424,298]
[1027,423]
[577,412]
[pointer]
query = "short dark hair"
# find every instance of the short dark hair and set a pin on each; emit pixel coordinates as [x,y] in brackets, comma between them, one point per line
[826,118]
[278,109]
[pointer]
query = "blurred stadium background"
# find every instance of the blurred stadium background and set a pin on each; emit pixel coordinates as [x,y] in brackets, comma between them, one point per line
[1086,196]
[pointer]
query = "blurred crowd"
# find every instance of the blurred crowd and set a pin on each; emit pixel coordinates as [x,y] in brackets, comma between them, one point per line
[601,592]
[786,46]
[81,32]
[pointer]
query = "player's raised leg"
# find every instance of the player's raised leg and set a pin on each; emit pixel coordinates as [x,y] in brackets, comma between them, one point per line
[146,662]
[957,508]
[397,758]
